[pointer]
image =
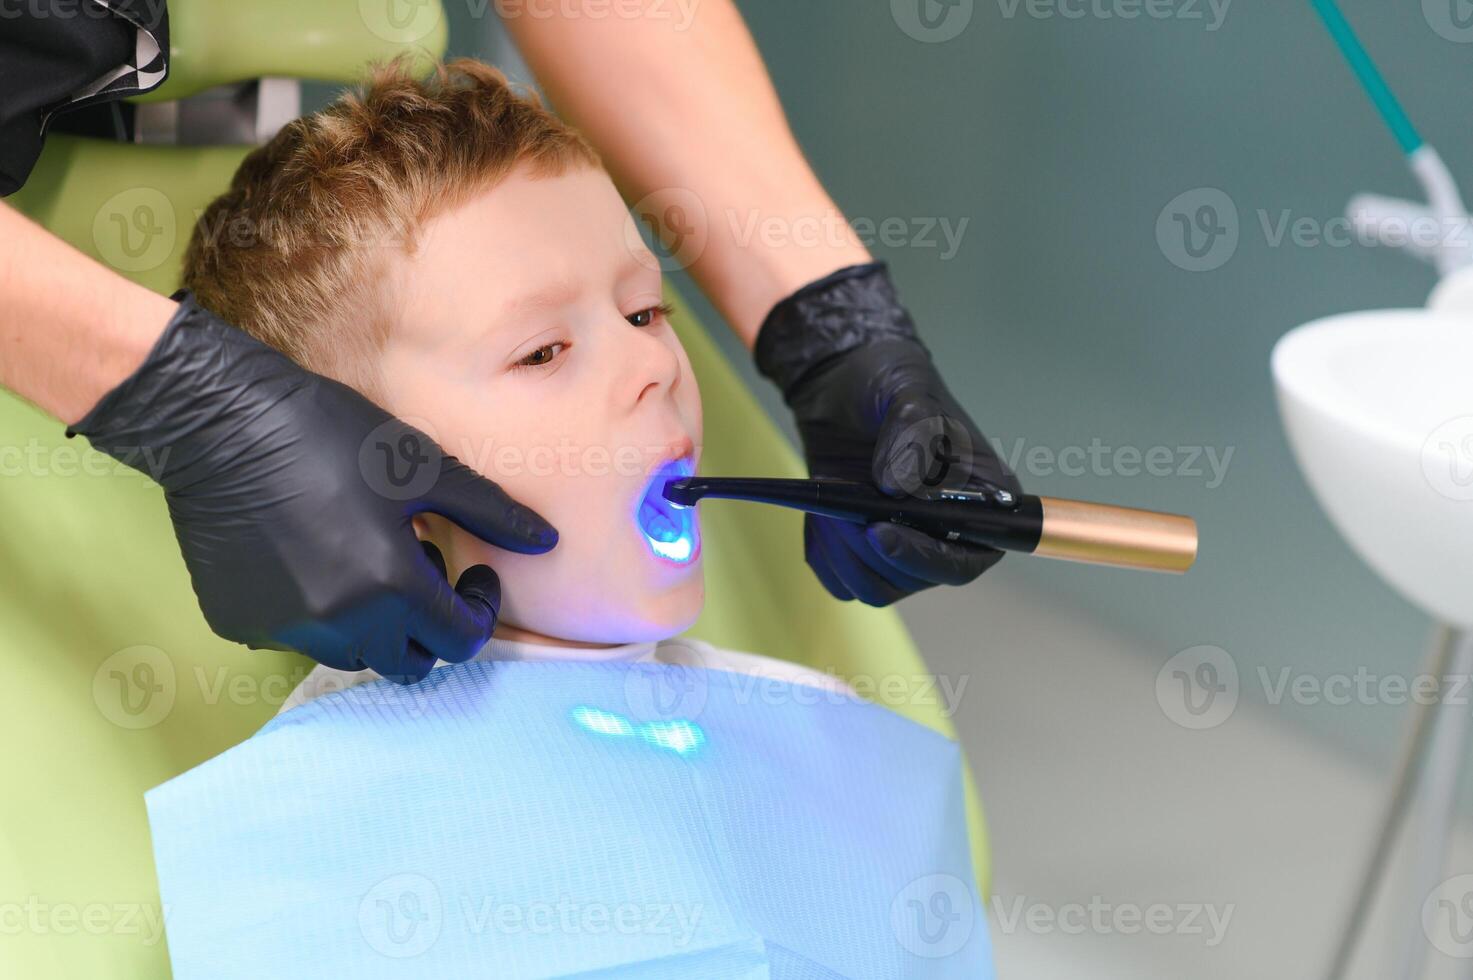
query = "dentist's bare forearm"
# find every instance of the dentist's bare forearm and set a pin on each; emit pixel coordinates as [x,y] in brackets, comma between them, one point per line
[678,98]
[70,329]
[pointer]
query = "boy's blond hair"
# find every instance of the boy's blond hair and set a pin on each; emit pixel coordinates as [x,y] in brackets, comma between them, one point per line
[293,253]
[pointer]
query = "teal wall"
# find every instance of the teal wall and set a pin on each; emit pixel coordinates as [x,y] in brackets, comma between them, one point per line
[1060,320]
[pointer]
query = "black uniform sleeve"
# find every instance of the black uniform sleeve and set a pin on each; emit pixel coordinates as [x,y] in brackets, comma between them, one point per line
[57,55]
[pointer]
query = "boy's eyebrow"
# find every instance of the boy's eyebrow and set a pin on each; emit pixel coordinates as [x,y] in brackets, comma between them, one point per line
[562,293]
[542,300]
[634,265]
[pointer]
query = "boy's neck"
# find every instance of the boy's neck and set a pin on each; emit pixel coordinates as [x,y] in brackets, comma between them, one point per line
[505,631]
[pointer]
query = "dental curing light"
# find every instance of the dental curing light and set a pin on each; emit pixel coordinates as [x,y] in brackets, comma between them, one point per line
[1072,530]
[670,532]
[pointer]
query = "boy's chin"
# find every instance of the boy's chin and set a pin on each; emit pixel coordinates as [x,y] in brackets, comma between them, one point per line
[643,620]
[652,625]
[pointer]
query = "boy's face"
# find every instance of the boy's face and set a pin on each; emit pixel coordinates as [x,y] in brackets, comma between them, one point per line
[528,339]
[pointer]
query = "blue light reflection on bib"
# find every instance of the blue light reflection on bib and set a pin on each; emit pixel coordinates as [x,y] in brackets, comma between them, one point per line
[777,837]
[678,735]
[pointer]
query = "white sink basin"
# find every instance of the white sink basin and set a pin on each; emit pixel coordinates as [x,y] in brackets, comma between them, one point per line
[1379,410]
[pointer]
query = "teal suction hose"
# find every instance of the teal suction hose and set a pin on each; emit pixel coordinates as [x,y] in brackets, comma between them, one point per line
[1369,76]
[1445,211]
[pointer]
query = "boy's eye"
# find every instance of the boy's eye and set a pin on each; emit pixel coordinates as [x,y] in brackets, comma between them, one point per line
[547,353]
[645,318]
[542,356]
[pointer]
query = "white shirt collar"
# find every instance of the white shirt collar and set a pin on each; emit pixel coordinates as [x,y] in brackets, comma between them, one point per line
[504,649]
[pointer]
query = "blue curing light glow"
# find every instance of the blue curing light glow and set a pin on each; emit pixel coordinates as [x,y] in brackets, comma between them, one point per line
[669,531]
[600,721]
[679,736]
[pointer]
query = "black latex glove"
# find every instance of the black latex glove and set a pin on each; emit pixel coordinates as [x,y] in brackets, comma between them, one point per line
[292,497]
[870,406]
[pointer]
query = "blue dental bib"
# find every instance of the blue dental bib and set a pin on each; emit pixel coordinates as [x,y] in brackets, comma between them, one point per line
[629,821]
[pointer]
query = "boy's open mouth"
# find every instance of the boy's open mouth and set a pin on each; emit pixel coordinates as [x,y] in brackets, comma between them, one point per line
[669,531]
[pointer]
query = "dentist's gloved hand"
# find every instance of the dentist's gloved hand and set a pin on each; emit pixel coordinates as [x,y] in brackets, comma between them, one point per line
[871,406]
[292,498]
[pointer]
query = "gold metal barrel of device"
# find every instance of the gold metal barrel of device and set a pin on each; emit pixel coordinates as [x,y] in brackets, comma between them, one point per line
[1102,534]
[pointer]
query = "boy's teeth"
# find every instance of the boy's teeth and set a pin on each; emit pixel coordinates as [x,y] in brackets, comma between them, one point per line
[668,531]
[660,526]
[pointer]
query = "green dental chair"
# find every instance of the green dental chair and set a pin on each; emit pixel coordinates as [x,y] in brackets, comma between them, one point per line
[114,681]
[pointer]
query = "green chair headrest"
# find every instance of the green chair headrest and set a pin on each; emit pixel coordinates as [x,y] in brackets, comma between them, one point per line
[222,42]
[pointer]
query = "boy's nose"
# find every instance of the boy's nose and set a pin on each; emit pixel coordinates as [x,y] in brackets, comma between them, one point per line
[658,366]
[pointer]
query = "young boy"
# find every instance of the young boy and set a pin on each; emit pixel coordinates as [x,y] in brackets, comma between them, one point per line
[456,253]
